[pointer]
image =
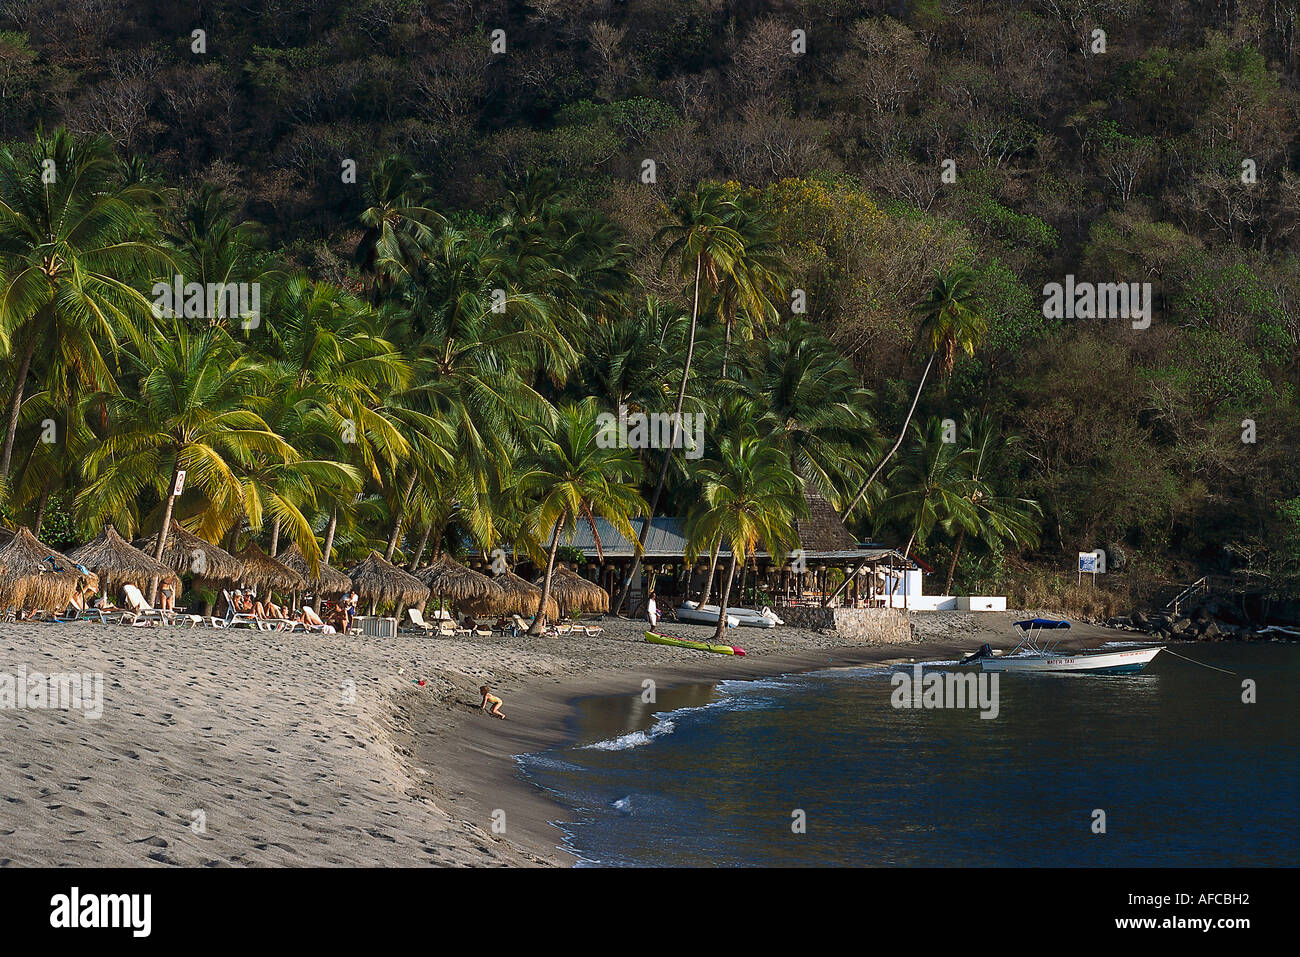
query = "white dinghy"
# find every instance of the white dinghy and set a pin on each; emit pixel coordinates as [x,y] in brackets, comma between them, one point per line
[736,617]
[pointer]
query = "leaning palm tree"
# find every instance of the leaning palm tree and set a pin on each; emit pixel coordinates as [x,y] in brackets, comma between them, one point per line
[749,498]
[576,479]
[706,250]
[71,245]
[191,412]
[950,321]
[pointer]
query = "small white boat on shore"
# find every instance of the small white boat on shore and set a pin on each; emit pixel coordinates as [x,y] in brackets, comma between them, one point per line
[1036,656]
[736,617]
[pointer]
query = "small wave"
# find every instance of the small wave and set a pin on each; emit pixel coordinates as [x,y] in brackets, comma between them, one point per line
[633,739]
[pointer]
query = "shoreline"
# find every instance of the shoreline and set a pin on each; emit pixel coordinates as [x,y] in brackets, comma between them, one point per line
[476,767]
[313,750]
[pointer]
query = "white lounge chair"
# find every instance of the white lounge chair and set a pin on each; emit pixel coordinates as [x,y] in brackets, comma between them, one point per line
[234,619]
[417,621]
[139,611]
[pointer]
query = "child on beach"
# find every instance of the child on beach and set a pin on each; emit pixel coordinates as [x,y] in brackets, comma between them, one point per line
[490,699]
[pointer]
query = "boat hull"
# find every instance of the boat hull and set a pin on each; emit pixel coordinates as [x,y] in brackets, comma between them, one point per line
[736,617]
[1103,663]
[656,639]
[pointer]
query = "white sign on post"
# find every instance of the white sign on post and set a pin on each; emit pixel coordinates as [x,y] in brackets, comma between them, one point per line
[180,482]
[1092,563]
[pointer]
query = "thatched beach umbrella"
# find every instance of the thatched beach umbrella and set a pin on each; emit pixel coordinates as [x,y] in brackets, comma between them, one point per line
[451,580]
[326,580]
[383,582]
[574,594]
[187,554]
[117,562]
[264,573]
[26,580]
[518,597]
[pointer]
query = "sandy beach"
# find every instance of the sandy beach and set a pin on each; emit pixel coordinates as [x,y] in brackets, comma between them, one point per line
[256,748]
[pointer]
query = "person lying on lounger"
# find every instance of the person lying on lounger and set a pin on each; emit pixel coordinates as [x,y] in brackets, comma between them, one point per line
[311,620]
[269,610]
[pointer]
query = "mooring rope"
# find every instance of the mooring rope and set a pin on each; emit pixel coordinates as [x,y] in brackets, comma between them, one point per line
[1201,663]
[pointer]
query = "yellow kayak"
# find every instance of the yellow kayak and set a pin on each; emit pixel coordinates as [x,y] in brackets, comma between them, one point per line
[655,639]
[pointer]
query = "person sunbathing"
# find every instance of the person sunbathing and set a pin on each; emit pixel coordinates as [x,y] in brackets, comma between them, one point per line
[313,622]
[490,699]
[269,610]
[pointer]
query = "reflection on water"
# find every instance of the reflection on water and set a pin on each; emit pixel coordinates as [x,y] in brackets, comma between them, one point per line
[1185,772]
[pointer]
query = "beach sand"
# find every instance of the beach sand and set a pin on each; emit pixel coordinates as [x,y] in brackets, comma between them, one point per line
[322,750]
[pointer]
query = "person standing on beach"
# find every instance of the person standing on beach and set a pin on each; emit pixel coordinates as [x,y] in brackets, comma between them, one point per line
[652,611]
[490,699]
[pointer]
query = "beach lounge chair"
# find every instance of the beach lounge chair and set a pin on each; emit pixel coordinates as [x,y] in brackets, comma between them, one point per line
[588,627]
[234,619]
[447,628]
[418,622]
[139,611]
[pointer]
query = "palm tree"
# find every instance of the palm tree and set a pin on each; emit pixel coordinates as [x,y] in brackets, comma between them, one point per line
[934,485]
[399,225]
[192,412]
[706,249]
[993,518]
[811,405]
[575,479]
[950,321]
[748,497]
[71,244]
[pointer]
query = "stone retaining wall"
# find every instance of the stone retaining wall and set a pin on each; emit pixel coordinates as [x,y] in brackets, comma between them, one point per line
[868,626]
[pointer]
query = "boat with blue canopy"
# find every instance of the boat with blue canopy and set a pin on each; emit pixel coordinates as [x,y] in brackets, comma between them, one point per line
[1036,654]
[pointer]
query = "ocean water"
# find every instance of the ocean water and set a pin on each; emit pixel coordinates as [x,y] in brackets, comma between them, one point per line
[1185,773]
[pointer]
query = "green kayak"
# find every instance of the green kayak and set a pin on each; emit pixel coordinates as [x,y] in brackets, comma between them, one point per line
[654,639]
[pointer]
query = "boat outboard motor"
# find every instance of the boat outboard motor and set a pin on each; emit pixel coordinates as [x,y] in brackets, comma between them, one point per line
[985,651]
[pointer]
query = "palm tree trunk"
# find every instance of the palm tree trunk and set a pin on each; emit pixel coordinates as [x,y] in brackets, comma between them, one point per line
[663,469]
[275,537]
[952,566]
[721,631]
[708,582]
[329,534]
[419,552]
[166,527]
[40,508]
[16,405]
[897,442]
[401,514]
[539,620]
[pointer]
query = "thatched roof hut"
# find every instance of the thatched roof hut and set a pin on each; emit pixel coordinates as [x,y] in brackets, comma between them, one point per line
[574,594]
[264,573]
[518,597]
[26,580]
[450,579]
[326,580]
[117,562]
[188,554]
[383,582]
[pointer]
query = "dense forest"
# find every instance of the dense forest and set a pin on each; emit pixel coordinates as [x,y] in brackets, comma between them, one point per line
[903,180]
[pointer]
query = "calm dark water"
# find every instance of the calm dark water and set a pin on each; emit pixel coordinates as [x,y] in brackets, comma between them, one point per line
[1186,773]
